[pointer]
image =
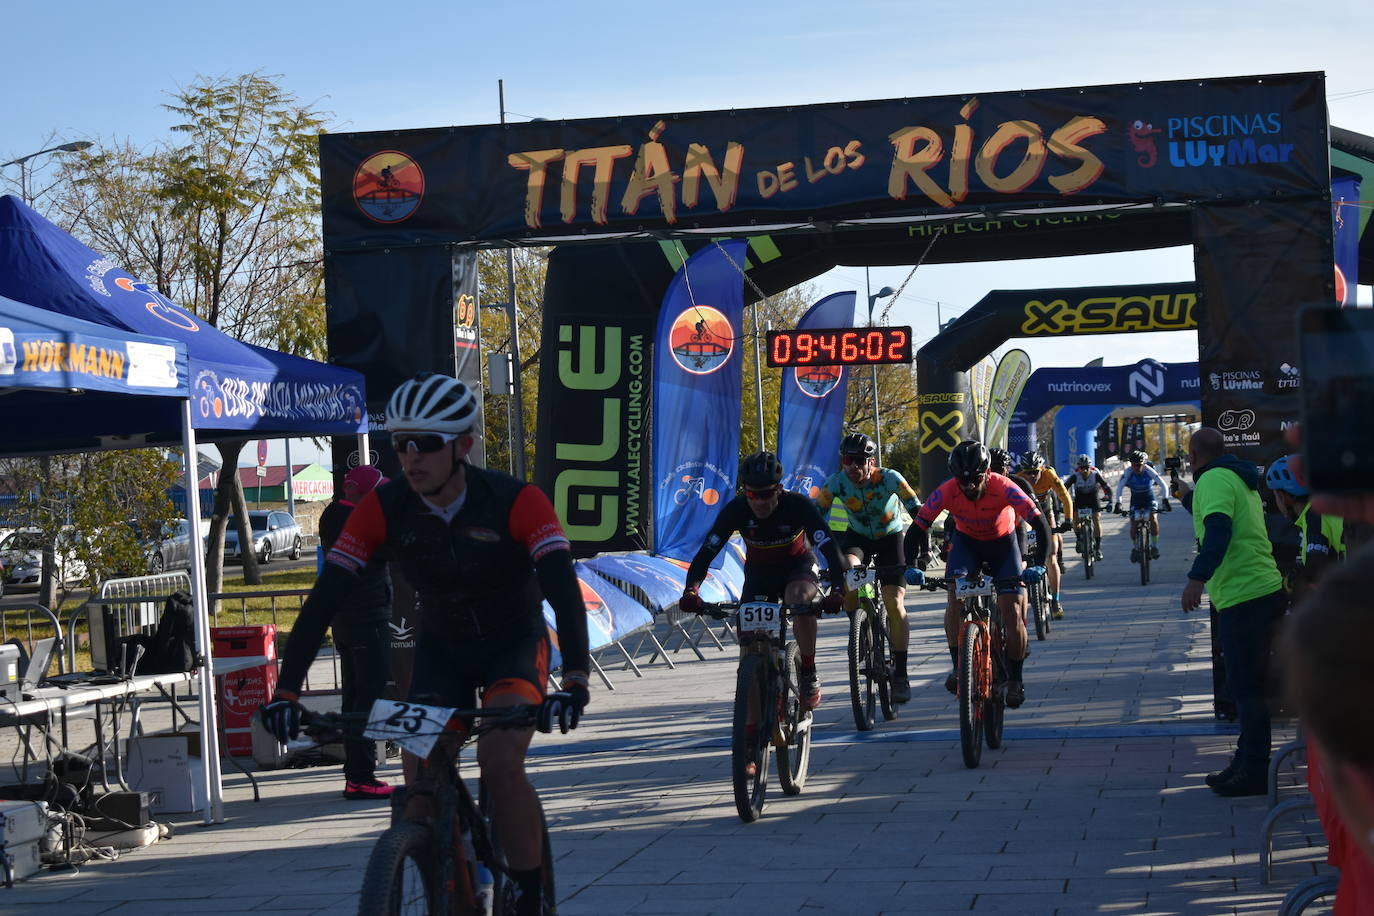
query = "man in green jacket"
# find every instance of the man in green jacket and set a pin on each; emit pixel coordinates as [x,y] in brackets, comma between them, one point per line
[1236,567]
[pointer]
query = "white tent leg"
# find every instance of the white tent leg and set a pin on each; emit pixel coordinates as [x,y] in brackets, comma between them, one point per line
[211,784]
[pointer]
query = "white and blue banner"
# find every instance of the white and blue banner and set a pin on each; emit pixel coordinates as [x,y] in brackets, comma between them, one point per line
[811,405]
[697,386]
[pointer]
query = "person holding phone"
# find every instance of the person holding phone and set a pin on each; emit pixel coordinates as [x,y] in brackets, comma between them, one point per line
[1235,566]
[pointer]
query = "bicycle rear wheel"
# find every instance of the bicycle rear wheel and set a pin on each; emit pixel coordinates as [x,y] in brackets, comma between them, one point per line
[747,746]
[503,888]
[995,706]
[400,874]
[973,660]
[794,752]
[861,693]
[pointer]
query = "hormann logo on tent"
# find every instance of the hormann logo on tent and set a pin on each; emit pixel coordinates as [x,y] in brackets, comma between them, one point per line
[1110,314]
[57,356]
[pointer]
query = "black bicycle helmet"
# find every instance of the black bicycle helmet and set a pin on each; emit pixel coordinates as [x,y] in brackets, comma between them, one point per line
[969,459]
[999,460]
[1139,456]
[859,445]
[760,470]
[1030,461]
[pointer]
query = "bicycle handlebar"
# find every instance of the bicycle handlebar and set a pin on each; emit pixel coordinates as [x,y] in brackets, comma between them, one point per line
[327,727]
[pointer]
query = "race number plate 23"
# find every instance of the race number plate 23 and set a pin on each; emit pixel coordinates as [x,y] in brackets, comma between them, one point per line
[411,725]
[760,615]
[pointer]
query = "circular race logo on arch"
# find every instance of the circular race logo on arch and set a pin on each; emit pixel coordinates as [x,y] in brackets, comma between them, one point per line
[701,340]
[388,186]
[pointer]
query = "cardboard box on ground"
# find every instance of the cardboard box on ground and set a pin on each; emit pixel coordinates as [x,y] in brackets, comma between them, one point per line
[168,767]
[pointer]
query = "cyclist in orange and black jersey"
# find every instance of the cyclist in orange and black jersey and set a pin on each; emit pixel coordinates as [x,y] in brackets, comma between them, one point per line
[1046,488]
[482,551]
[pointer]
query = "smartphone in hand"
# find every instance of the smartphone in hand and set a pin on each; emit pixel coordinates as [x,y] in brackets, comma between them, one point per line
[1336,359]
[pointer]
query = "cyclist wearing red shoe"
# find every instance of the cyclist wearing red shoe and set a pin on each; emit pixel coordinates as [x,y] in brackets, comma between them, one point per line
[780,529]
[482,550]
[985,507]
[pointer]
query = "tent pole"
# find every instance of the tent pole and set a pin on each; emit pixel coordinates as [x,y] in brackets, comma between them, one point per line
[213,789]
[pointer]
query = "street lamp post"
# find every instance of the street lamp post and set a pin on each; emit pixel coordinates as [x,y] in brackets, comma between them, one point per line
[75,146]
[873,297]
[47,586]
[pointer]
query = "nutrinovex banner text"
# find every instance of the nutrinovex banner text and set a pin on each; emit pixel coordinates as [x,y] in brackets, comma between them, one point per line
[811,406]
[697,384]
[1180,141]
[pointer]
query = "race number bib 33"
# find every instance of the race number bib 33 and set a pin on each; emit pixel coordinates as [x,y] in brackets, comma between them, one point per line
[858,577]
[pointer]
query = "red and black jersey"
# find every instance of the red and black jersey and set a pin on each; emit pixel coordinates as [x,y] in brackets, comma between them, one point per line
[482,575]
[785,536]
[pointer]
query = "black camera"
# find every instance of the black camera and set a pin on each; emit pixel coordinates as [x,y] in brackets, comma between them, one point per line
[1336,359]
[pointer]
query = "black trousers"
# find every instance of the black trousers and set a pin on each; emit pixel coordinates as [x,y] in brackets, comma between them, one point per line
[364,664]
[1246,632]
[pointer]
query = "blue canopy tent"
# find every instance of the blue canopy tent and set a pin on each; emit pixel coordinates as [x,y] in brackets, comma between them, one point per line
[68,372]
[238,391]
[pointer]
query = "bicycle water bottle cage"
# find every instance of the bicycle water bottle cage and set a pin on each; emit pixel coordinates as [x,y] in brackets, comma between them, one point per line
[858,576]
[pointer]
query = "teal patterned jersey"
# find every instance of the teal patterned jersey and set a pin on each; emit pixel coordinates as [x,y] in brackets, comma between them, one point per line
[876,507]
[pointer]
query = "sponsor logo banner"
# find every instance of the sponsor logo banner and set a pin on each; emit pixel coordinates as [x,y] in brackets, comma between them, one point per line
[811,405]
[1012,373]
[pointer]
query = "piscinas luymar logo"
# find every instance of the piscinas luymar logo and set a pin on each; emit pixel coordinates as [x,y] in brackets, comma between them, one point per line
[388,186]
[1225,139]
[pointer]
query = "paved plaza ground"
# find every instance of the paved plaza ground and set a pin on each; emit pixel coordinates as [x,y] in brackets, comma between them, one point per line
[1094,804]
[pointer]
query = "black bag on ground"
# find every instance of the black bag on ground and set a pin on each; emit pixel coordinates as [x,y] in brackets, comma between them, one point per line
[172,647]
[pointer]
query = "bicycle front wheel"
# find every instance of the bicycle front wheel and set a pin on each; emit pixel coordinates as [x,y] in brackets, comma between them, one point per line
[973,678]
[400,875]
[794,728]
[1089,550]
[1039,607]
[861,693]
[749,748]
[1143,545]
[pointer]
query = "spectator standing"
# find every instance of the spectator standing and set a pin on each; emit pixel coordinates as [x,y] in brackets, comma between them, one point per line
[360,637]
[1235,566]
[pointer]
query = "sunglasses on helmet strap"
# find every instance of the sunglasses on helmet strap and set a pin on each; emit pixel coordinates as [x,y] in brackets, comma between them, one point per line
[425,443]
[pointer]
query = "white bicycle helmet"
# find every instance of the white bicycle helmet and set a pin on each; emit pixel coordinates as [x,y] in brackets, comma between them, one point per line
[432,403]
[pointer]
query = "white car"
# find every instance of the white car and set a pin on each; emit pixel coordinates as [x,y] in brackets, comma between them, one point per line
[21,553]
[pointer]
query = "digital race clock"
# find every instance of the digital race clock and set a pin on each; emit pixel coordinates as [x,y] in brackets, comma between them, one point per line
[839,347]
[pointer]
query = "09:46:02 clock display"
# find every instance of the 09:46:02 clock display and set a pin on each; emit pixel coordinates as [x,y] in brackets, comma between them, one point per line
[839,347]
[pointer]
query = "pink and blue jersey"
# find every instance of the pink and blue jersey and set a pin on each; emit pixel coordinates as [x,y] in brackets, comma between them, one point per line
[991,516]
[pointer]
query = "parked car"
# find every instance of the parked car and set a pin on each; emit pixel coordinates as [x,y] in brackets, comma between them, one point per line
[275,534]
[21,555]
[174,550]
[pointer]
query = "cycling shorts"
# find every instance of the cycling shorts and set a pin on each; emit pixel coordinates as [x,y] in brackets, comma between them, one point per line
[1144,500]
[450,673]
[768,581]
[1088,500]
[883,551]
[999,557]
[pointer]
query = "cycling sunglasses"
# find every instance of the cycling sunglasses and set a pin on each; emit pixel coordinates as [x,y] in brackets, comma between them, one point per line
[854,460]
[425,443]
[768,493]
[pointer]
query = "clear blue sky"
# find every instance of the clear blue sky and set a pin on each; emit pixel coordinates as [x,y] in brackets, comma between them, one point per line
[81,70]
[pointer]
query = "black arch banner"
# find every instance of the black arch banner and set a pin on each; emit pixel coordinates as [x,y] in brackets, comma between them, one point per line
[942,365]
[1168,142]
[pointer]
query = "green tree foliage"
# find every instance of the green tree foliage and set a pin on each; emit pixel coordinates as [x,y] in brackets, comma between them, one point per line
[223,216]
[531,264]
[105,509]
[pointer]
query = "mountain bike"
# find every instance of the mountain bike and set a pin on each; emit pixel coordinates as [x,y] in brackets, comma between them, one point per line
[769,713]
[1140,540]
[1038,595]
[982,665]
[870,650]
[1086,534]
[442,853]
